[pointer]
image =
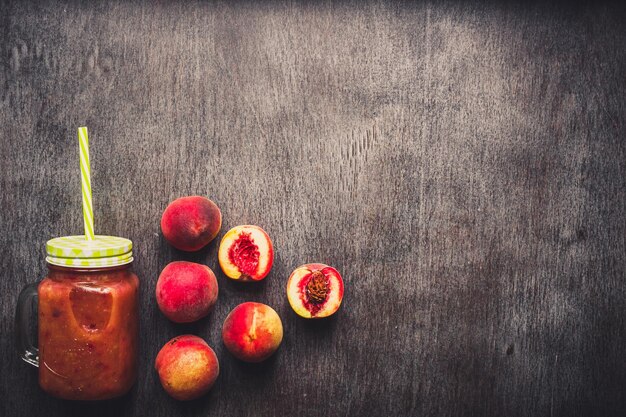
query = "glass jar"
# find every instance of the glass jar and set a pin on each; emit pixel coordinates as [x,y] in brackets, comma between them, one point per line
[87,323]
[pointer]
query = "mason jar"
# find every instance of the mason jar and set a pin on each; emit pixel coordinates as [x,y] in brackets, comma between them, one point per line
[87,319]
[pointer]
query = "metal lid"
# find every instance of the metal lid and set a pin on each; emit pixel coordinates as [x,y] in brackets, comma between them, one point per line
[76,251]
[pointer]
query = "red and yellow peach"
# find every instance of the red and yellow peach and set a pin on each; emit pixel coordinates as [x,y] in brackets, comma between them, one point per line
[187,367]
[190,223]
[252,332]
[186,291]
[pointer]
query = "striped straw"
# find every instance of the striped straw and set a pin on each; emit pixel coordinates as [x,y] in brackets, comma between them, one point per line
[85,175]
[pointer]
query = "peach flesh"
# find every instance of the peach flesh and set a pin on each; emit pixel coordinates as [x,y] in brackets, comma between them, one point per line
[252,332]
[186,291]
[315,290]
[187,367]
[246,253]
[190,223]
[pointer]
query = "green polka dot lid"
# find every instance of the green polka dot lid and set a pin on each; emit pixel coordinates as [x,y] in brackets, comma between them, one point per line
[101,252]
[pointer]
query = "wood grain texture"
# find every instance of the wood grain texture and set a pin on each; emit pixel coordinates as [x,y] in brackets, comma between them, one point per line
[462,164]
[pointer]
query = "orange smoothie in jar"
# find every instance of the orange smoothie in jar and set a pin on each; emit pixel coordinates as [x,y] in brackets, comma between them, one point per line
[88,332]
[87,319]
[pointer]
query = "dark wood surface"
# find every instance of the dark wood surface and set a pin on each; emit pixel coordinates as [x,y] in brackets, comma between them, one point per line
[462,164]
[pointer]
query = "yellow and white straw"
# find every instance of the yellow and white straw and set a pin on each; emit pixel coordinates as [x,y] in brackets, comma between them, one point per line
[85,175]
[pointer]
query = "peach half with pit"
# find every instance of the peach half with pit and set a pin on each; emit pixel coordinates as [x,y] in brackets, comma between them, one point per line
[187,367]
[252,332]
[315,290]
[246,253]
[190,223]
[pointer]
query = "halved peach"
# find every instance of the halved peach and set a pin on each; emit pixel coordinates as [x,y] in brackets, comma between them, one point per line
[315,290]
[246,253]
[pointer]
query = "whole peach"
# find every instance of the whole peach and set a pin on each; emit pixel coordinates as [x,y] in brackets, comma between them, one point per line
[187,367]
[189,223]
[252,332]
[186,291]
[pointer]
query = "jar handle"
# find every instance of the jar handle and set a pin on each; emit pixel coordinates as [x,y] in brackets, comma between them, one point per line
[23,316]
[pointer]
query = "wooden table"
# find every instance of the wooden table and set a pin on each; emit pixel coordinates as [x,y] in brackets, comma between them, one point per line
[462,164]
